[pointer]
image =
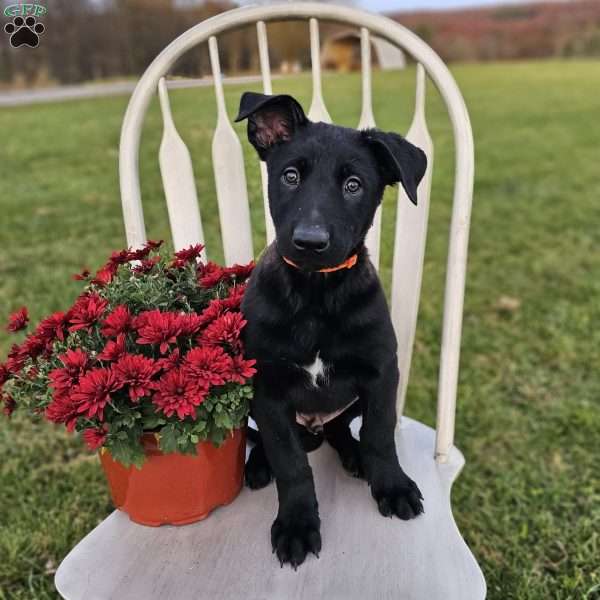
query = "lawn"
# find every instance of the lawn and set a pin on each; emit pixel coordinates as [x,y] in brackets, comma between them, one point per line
[528,501]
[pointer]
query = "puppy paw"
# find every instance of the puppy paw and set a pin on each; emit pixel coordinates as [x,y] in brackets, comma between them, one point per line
[293,539]
[402,500]
[258,473]
[352,460]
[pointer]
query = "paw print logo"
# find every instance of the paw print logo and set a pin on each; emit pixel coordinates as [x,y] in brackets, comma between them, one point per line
[24,32]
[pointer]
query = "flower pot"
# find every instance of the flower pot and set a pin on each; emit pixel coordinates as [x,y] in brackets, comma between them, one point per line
[176,489]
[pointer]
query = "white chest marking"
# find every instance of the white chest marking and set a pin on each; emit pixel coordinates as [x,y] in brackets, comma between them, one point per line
[316,369]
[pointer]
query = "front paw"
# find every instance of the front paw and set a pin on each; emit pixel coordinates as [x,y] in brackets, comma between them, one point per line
[402,499]
[293,538]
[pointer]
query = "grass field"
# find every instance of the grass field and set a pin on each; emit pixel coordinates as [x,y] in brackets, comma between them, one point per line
[528,501]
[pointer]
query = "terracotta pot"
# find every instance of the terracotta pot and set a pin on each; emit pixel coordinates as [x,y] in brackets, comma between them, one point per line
[175,489]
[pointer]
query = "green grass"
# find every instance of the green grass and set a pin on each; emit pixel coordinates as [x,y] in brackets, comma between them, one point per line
[528,502]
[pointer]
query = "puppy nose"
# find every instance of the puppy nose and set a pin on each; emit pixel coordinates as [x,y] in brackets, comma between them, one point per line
[310,238]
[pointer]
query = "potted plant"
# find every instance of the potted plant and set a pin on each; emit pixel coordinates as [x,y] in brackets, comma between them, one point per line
[148,365]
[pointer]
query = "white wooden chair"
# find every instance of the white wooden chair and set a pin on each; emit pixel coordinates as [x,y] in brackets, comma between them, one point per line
[228,555]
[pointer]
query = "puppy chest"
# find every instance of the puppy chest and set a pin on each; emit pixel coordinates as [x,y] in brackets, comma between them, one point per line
[317,371]
[324,372]
[323,395]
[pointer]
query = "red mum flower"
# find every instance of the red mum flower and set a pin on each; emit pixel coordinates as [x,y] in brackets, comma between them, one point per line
[139,321]
[83,276]
[176,394]
[242,369]
[9,404]
[18,320]
[187,255]
[214,309]
[93,392]
[62,409]
[224,330]
[136,372]
[153,244]
[4,375]
[64,380]
[145,250]
[139,254]
[105,275]
[114,349]
[87,311]
[35,345]
[118,321]
[75,360]
[52,327]
[155,327]
[94,437]
[190,324]
[173,361]
[146,265]
[236,294]
[120,257]
[211,274]
[241,272]
[16,359]
[208,364]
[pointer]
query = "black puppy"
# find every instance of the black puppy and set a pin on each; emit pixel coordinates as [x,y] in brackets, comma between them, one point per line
[318,322]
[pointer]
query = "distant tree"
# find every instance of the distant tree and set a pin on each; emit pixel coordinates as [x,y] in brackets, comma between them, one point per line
[94,39]
[424,31]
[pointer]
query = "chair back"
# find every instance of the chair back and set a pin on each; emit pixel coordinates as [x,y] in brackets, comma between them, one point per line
[230,173]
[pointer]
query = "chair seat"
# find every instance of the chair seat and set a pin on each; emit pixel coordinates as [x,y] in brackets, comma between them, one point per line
[228,555]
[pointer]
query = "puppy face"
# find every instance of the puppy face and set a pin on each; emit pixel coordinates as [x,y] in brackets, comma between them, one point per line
[325,181]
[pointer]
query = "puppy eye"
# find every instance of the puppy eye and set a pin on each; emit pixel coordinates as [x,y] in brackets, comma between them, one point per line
[291,176]
[352,185]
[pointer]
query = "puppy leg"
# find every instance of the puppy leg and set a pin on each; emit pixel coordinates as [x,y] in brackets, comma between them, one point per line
[258,472]
[339,436]
[393,490]
[296,530]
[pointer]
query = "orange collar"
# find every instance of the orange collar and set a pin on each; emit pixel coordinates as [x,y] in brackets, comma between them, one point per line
[347,264]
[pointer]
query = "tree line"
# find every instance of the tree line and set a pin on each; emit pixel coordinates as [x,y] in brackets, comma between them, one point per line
[91,39]
[101,39]
[511,32]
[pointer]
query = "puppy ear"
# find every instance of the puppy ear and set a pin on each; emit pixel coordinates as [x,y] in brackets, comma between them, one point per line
[271,119]
[398,160]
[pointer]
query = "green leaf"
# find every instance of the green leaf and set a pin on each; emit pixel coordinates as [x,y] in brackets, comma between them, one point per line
[127,452]
[168,439]
[152,422]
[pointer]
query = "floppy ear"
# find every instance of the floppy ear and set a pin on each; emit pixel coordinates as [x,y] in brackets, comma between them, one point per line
[398,160]
[271,119]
